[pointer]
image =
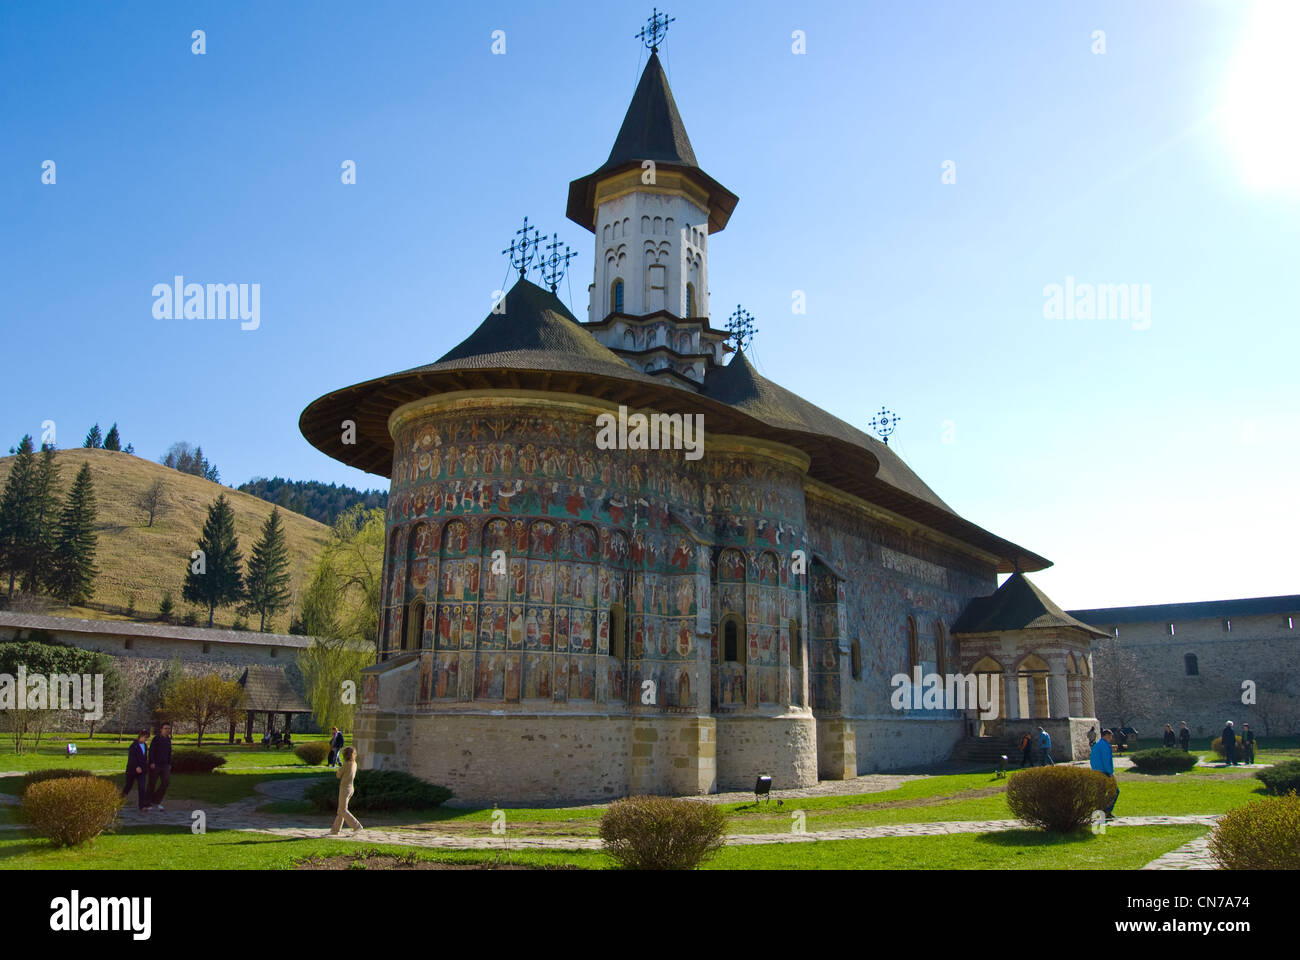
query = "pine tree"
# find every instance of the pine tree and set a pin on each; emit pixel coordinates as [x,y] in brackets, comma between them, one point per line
[74,554]
[45,527]
[113,440]
[94,439]
[18,514]
[213,578]
[267,579]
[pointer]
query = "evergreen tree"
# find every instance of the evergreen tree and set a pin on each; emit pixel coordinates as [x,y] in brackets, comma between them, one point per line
[18,510]
[213,579]
[113,440]
[74,553]
[94,439]
[267,579]
[45,529]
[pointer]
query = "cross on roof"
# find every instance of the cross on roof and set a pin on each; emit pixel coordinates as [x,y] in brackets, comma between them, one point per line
[742,327]
[655,29]
[554,265]
[884,423]
[522,251]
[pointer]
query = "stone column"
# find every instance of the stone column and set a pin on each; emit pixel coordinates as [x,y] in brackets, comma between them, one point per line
[1089,707]
[1075,683]
[1011,698]
[1058,699]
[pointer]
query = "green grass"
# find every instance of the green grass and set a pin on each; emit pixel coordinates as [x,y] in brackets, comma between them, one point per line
[1122,848]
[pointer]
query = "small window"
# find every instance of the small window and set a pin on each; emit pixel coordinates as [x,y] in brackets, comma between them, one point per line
[913,647]
[733,642]
[275,651]
[130,644]
[207,648]
[1190,665]
[616,296]
[413,637]
[1171,629]
[1227,625]
[690,299]
[855,660]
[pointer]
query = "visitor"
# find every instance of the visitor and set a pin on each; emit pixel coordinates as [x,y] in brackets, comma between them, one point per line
[346,773]
[160,765]
[1184,736]
[1045,745]
[336,744]
[1026,744]
[1169,735]
[137,759]
[1229,744]
[1248,743]
[1102,759]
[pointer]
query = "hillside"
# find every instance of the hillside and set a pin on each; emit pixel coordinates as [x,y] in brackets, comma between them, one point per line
[145,561]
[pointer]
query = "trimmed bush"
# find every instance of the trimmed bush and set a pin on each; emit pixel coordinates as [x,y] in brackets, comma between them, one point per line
[40,776]
[1264,835]
[71,811]
[660,833]
[1059,799]
[312,753]
[378,790]
[1217,746]
[1282,778]
[195,761]
[1163,760]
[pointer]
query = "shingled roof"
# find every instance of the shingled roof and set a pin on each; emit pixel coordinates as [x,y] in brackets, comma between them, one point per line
[652,130]
[268,689]
[1016,605]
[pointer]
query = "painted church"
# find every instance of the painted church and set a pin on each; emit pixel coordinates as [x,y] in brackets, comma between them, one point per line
[567,621]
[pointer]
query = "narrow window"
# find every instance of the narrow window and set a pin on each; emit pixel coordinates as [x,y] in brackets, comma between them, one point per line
[617,632]
[1171,629]
[796,645]
[690,299]
[855,660]
[1190,665]
[616,295]
[913,647]
[733,646]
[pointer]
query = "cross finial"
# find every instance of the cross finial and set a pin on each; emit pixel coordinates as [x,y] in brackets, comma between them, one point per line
[884,423]
[742,327]
[554,265]
[522,251]
[655,29]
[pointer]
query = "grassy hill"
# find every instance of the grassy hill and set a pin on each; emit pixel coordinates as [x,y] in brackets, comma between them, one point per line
[140,561]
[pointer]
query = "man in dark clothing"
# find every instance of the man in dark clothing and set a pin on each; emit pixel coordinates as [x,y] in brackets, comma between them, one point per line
[336,744]
[1026,744]
[1184,736]
[1169,735]
[160,765]
[1247,743]
[1229,744]
[137,761]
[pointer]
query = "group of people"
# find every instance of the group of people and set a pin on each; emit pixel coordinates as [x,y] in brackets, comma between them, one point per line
[1233,744]
[149,768]
[1044,740]
[1183,737]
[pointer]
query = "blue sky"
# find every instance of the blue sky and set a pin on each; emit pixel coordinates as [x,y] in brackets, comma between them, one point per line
[1152,462]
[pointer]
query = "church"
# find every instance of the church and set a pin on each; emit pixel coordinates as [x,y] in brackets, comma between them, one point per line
[570,619]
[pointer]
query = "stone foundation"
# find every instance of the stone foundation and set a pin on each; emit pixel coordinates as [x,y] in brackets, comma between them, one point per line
[782,747]
[895,743]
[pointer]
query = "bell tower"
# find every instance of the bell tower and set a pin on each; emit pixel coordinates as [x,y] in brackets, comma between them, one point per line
[652,209]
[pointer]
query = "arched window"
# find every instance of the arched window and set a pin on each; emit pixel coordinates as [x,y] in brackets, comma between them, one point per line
[732,648]
[413,635]
[940,654]
[616,295]
[618,631]
[913,646]
[690,299]
[855,659]
[1190,665]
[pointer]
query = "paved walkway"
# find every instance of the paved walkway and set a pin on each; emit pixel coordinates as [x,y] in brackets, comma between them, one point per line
[1190,856]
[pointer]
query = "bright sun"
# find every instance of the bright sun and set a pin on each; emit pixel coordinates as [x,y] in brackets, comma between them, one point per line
[1259,111]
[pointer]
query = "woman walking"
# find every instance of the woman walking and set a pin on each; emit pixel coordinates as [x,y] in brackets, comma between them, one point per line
[346,773]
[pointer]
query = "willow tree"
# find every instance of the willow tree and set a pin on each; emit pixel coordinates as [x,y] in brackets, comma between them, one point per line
[340,611]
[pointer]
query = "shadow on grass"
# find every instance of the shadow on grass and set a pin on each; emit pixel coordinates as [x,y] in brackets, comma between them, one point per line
[1033,838]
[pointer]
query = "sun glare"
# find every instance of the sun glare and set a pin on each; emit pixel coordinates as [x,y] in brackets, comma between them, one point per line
[1259,108]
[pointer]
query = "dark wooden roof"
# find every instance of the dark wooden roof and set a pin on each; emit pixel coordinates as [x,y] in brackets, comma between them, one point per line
[268,688]
[536,344]
[652,130]
[1016,605]
[1200,610]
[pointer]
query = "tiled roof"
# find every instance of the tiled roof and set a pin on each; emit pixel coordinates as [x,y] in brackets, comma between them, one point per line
[1016,605]
[159,631]
[1197,610]
[267,688]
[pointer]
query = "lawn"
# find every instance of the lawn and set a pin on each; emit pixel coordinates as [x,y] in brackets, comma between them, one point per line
[1122,848]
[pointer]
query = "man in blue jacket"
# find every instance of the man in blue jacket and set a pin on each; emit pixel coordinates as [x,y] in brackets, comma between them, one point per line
[137,762]
[1045,745]
[160,765]
[1102,759]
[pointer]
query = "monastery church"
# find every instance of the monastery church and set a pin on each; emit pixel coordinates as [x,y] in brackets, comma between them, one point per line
[562,621]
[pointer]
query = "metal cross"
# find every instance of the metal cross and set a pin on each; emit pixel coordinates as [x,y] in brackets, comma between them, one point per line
[742,327]
[554,265]
[655,29]
[884,423]
[521,252]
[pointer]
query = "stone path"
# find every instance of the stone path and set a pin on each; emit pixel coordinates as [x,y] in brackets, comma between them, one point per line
[1190,856]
